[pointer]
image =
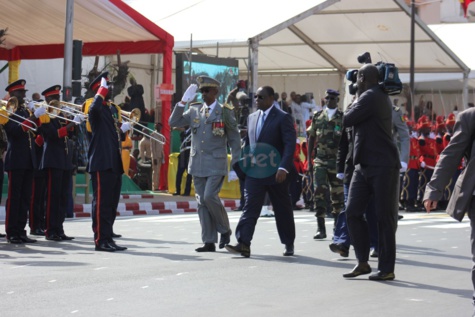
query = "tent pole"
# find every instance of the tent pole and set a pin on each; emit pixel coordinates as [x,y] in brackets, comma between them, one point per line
[465,90]
[254,45]
[411,81]
[68,52]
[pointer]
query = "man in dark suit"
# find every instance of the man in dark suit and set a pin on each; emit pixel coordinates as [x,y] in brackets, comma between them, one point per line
[267,166]
[462,144]
[376,175]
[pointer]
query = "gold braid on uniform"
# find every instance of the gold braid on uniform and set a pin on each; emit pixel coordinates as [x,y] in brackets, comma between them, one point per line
[228,118]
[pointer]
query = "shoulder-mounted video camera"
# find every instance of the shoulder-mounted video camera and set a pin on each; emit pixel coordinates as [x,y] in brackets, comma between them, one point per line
[388,80]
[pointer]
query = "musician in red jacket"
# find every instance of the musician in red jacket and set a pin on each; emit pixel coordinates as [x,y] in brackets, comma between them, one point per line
[428,154]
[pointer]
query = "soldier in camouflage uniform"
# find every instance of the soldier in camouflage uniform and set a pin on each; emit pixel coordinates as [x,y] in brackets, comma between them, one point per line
[324,134]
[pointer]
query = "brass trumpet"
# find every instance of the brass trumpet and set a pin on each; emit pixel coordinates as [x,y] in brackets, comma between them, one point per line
[133,117]
[13,101]
[54,105]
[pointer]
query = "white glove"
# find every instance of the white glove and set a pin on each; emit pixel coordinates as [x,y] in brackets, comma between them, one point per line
[432,135]
[104,83]
[340,176]
[125,127]
[232,176]
[79,118]
[414,135]
[403,167]
[40,111]
[31,106]
[423,164]
[190,93]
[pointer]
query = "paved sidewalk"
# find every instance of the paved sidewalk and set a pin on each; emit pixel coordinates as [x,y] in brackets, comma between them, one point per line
[144,203]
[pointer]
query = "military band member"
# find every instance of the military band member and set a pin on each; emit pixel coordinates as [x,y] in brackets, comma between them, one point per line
[325,132]
[213,128]
[105,164]
[57,164]
[428,151]
[20,161]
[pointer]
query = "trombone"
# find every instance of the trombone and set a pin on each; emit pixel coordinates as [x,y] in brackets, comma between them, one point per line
[54,105]
[4,108]
[133,117]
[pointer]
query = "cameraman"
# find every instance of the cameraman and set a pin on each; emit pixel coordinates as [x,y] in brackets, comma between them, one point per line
[376,175]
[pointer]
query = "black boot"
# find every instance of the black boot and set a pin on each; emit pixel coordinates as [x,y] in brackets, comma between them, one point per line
[321,232]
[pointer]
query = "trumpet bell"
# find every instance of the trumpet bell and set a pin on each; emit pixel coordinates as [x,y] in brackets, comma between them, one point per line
[133,115]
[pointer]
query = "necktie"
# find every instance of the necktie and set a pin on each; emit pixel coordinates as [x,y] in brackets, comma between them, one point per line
[260,124]
[206,112]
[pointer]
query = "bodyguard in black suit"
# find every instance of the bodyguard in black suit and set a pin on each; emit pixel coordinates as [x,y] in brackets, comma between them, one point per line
[105,165]
[268,166]
[376,175]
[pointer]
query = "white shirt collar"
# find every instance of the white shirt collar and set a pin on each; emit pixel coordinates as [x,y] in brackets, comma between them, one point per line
[268,110]
[211,107]
[331,113]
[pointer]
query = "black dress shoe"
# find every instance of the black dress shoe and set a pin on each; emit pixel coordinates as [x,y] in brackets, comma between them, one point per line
[239,248]
[341,249]
[104,246]
[53,237]
[37,232]
[14,240]
[374,253]
[207,247]
[2,235]
[117,247]
[237,209]
[289,250]
[225,239]
[358,270]
[65,237]
[176,194]
[25,239]
[381,276]
[320,235]
[115,235]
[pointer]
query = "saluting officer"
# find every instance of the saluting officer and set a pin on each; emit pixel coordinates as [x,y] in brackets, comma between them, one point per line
[105,164]
[20,161]
[213,127]
[325,132]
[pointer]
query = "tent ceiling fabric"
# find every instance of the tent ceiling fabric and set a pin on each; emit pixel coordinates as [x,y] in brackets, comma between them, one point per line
[329,39]
[95,22]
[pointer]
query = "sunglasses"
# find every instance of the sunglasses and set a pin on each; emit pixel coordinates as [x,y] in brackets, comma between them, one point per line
[205,90]
[259,97]
[330,98]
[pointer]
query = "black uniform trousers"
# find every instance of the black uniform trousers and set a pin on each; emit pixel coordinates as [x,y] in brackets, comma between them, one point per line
[57,181]
[382,185]
[106,187]
[18,201]
[37,202]
[255,193]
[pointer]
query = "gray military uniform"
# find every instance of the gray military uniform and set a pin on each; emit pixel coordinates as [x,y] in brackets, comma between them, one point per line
[208,160]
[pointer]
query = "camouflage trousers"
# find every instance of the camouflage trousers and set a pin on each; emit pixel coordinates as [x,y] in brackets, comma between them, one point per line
[325,179]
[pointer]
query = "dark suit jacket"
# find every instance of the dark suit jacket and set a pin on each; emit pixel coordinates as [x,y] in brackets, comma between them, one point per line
[462,144]
[371,118]
[55,148]
[279,133]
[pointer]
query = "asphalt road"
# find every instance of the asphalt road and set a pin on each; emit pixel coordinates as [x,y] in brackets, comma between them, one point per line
[161,274]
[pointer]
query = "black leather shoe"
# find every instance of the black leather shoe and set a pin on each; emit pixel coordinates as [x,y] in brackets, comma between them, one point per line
[53,237]
[239,248]
[117,247]
[381,276]
[341,249]
[374,253]
[37,232]
[225,239]
[14,240]
[65,237]
[2,235]
[25,239]
[207,247]
[358,270]
[104,246]
[289,250]
[115,235]
[237,209]
[320,235]
[176,194]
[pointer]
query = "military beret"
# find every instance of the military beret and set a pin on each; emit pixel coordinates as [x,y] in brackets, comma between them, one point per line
[53,90]
[207,82]
[97,81]
[17,85]
[331,92]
